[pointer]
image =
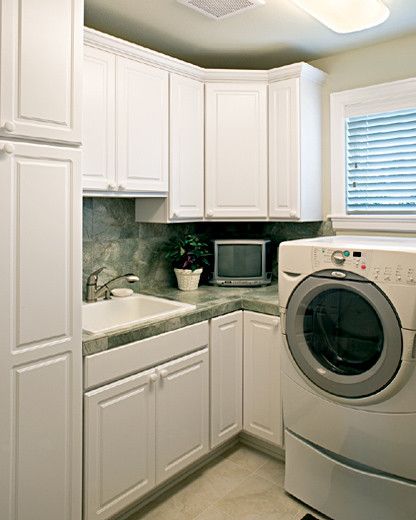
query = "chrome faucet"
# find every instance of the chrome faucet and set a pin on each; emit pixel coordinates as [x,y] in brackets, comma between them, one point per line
[94,292]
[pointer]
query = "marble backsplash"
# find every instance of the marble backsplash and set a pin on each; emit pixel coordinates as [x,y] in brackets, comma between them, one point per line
[113,239]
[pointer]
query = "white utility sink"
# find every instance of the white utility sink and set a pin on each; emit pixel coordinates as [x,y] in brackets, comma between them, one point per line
[119,313]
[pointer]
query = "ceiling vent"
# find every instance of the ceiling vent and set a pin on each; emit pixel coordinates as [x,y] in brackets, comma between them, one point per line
[219,9]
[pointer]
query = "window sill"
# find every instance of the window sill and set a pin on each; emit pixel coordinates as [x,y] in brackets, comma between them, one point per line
[379,223]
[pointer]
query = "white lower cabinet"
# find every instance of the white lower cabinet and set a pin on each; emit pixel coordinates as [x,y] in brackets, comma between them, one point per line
[262,395]
[182,413]
[119,444]
[143,429]
[226,346]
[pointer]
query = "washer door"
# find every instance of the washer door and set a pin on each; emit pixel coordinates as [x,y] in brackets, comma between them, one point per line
[344,335]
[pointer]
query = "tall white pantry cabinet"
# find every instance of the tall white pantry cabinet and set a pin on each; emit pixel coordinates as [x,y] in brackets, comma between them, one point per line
[40,260]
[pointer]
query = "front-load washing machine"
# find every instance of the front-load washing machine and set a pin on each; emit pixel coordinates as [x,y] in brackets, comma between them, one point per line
[348,315]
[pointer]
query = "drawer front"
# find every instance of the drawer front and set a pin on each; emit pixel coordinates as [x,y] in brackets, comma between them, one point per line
[111,365]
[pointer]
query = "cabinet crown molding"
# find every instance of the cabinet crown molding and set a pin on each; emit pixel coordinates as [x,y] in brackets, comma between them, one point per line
[121,47]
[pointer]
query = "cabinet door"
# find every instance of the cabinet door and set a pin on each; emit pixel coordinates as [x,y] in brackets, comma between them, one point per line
[40,69]
[99,138]
[142,126]
[119,445]
[226,377]
[236,151]
[182,409]
[284,150]
[186,190]
[262,395]
[40,339]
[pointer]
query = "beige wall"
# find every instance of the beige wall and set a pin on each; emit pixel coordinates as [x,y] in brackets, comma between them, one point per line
[380,63]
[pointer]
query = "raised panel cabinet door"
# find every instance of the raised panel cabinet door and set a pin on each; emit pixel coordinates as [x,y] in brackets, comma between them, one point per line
[182,413]
[142,104]
[119,445]
[262,394]
[236,151]
[40,339]
[99,137]
[226,350]
[186,188]
[41,69]
[284,150]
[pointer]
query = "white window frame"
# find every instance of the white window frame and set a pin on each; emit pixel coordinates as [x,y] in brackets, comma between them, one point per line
[385,97]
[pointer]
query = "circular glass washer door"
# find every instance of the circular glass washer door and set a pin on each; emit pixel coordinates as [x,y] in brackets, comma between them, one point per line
[344,335]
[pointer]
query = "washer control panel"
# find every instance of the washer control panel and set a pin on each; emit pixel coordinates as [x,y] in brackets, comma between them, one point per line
[376,267]
[355,261]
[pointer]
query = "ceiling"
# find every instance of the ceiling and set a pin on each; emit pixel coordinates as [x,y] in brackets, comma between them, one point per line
[275,34]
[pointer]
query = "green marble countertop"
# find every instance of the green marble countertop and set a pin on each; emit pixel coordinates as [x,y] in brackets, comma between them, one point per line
[210,301]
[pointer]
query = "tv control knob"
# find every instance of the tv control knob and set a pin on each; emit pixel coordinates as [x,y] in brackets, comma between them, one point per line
[338,257]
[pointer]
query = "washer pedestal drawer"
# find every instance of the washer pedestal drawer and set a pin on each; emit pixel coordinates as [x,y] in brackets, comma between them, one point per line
[341,491]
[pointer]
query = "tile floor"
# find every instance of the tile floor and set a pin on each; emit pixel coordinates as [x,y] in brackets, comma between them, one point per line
[242,484]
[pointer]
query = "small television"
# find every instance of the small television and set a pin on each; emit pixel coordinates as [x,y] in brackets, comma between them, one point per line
[242,263]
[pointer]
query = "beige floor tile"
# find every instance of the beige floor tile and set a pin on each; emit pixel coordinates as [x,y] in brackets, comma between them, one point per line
[223,475]
[273,470]
[213,513]
[258,499]
[247,458]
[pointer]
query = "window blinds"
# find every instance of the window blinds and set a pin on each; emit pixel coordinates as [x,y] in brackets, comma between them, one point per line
[381,162]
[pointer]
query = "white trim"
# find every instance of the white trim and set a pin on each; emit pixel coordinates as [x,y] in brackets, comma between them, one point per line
[126,49]
[395,223]
[376,98]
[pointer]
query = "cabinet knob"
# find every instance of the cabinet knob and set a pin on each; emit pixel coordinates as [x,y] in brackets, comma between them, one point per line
[7,148]
[121,187]
[175,215]
[164,373]
[153,378]
[9,126]
[112,186]
[292,214]
[210,214]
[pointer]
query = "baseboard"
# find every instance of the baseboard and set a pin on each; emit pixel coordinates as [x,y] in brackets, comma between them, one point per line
[261,445]
[162,488]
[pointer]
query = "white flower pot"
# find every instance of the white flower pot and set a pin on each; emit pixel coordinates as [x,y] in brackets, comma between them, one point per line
[188,280]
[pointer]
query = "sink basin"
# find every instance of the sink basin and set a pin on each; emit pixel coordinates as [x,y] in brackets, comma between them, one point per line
[119,313]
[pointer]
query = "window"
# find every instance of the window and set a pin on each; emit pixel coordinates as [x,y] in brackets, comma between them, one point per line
[373,164]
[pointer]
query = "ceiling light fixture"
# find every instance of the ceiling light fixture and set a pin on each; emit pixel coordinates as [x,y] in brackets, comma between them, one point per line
[346,16]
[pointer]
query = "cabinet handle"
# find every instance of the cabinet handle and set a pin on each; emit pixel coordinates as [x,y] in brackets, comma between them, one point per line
[292,214]
[175,215]
[112,187]
[7,148]
[121,187]
[164,374]
[153,378]
[9,126]
[210,214]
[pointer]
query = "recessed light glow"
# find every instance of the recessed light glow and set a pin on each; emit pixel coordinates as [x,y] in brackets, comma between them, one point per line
[346,16]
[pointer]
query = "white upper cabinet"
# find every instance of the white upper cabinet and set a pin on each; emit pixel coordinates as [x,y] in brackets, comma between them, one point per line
[295,168]
[40,69]
[99,137]
[186,190]
[236,151]
[142,126]
[185,199]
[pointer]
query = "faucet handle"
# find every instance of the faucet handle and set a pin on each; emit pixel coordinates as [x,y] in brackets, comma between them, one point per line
[92,279]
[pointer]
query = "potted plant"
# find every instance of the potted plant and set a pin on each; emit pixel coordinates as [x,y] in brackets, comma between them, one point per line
[189,255]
